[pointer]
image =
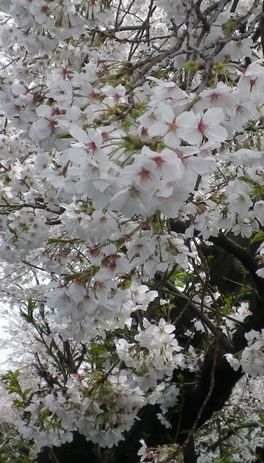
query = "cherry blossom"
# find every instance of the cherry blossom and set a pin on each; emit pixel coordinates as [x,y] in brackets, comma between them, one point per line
[131,225]
[196,128]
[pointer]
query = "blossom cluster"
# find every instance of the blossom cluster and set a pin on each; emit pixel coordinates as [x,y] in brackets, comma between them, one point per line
[111,176]
[251,358]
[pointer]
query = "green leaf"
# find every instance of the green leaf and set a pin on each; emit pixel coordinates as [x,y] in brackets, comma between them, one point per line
[132,143]
[259,236]
[261,417]
[191,66]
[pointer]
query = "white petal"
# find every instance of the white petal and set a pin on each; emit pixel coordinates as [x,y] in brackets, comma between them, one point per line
[158,129]
[213,116]
[216,133]
[40,130]
[186,119]
[79,134]
[172,140]
[193,137]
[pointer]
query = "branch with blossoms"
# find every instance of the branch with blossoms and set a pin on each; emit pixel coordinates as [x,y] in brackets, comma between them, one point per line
[132,192]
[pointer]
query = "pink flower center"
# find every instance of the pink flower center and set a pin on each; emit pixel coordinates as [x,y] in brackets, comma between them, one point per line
[159,161]
[64,73]
[172,126]
[91,146]
[58,112]
[144,174]
[112,262]
[214,97]
[144,132]
[44,9]
[202,126]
